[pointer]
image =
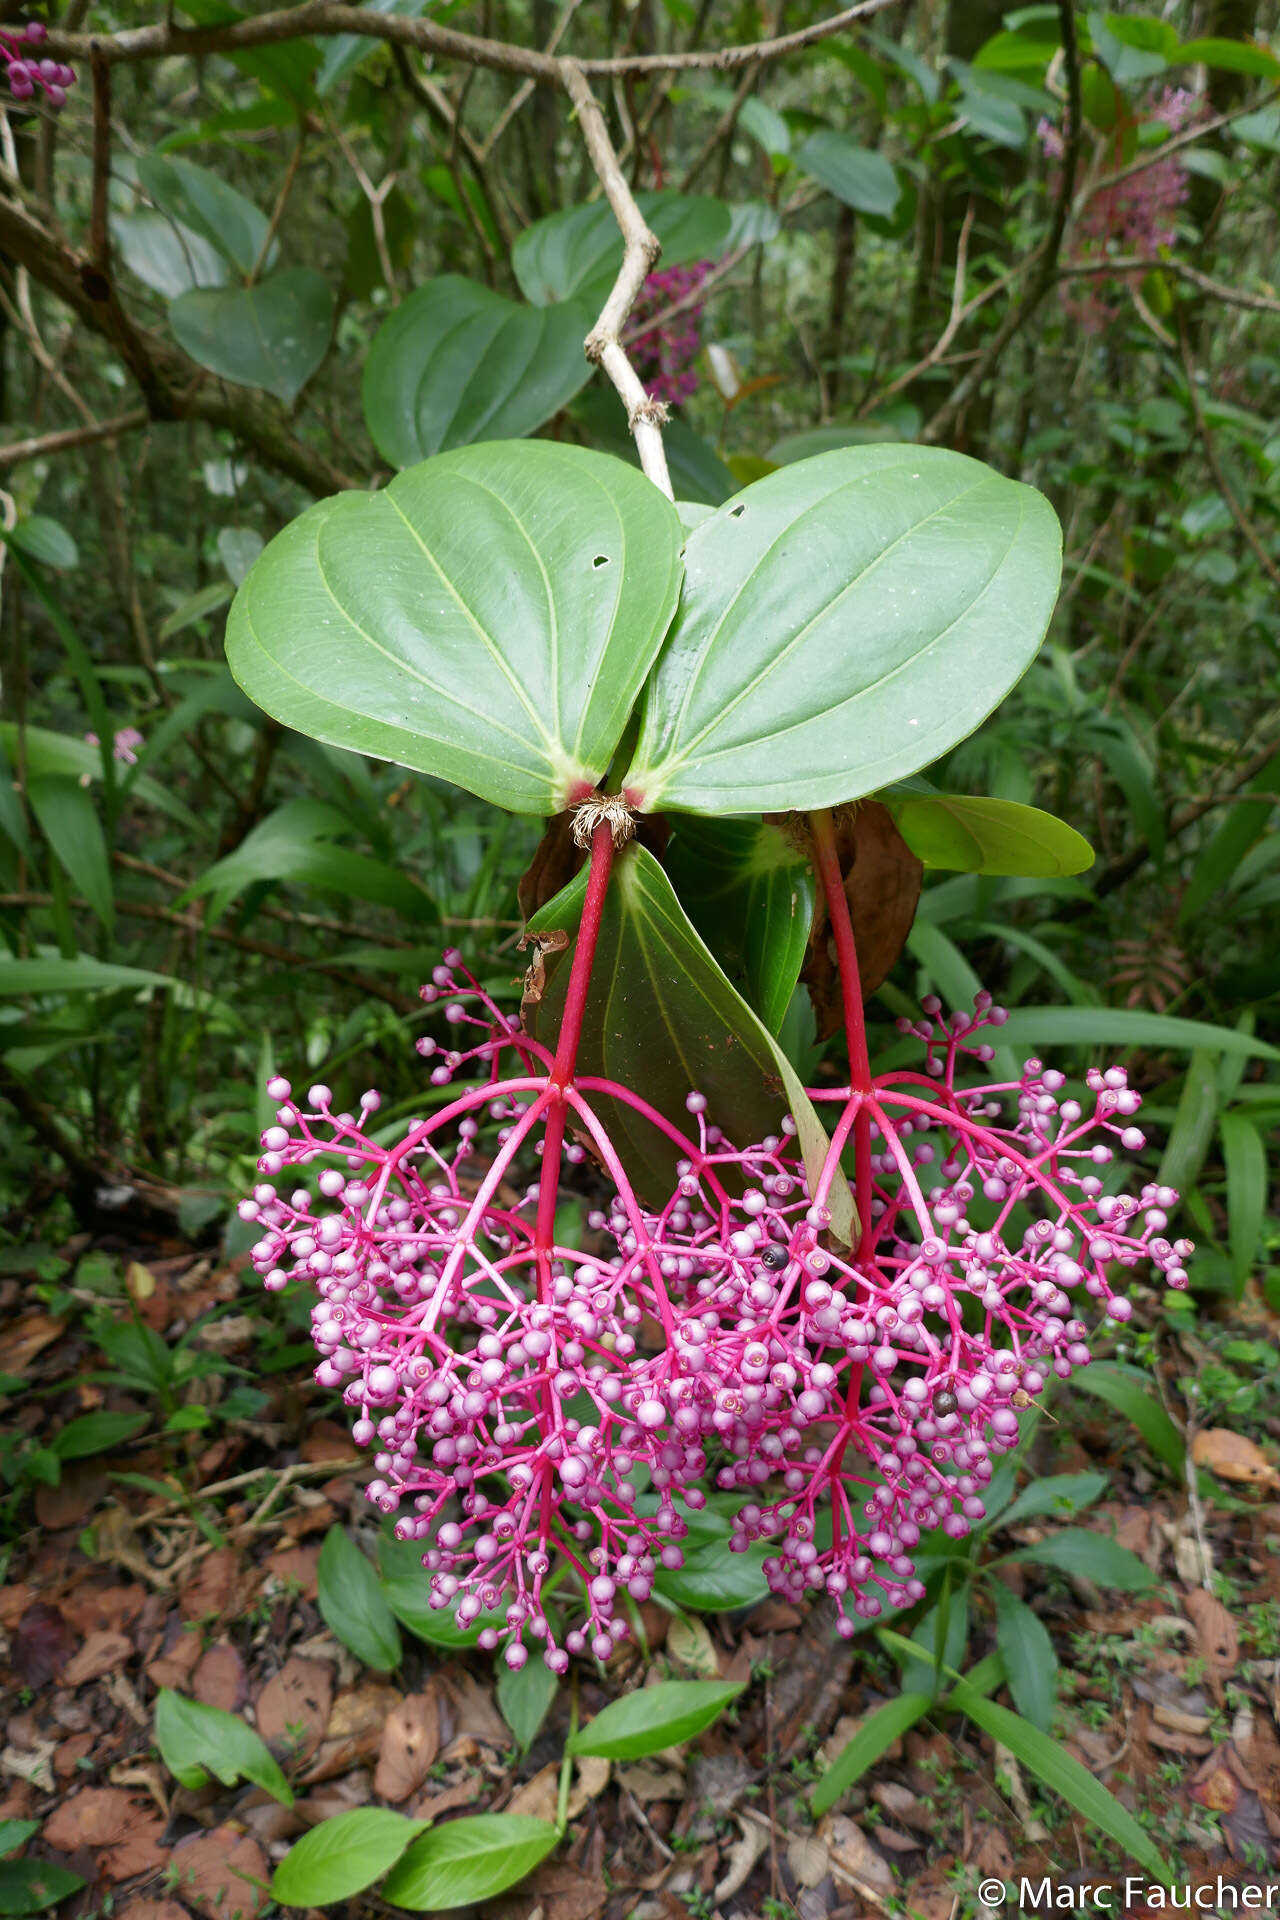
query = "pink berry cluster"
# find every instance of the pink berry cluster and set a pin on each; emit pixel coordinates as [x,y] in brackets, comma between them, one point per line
[538,1408]
[664,352]
[1138,214]
[25,74]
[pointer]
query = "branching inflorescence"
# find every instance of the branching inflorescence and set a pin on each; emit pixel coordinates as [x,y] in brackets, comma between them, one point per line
[665,350]
[537,1406]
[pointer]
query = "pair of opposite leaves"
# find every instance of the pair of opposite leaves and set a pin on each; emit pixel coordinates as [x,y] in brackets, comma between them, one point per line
[496,614]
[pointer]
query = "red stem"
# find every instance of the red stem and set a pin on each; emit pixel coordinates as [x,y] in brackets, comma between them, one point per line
[584,953]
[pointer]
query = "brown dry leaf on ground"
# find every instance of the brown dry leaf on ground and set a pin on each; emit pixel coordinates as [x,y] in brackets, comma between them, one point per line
[853,1854]
[92,1608]
[1233,1457]
[154,1910]
[410,1743]
[222,1874]
[295,1567]
[101,1653]
[177,1656]
[42,1645]
[354,1731]
[122,1829]
[476,1712]
[79,1491]
[219,1679]
[23,1341]
[1217,1642]
[294,1707]
[217,1589]
[560,1889]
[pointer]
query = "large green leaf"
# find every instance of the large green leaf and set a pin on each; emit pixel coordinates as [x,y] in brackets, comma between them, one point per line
[653,1718]
[860,177]
[968,833]
[196,1740]
[1030,1662]
[489,617]
[750,896]
[295,843]
[203,202]
[1124,1028]
[843,622]
[576,254]
[466,1860]
[456,362]
[1095,1555]
[353,1605]
[271,336]
[662,1017]
[343,1856]
[49,973]
[167,256]
[1132,1392]
[69,821]
[344,52]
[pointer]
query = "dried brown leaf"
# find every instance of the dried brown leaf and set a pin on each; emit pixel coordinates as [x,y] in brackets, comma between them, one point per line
[101,1653]
[124,1830]
[1232,1456]
[222,1874]
[219,1678]
[410,1743]
[293,1709]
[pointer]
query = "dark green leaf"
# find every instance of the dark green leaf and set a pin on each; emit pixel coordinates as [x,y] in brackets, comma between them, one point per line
[1231,56]
[1125,1027]
[489,617]
[167,256]
[1096,1555]
[344,52]
[751,898]
[343,1856]
[97,1433]
[1030,1663]
[1057,1493]
[272,335]
[69,821]
[196,1740]
[876,1734]
[293,844]
[714,1579]
[31,1886]
[457,363]
[860,177]
[1245,1153]
[525,1697]
[353,1603]
[203,203]
[45,540]
[652,1718]
[576,254]
[468,1860]
[51,974]
[843,622]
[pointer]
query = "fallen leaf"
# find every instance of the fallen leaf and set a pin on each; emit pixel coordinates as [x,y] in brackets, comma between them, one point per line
[219,1678]
[901,1804]
[882,880]
[23,1341]
[430,1806]
[92,1608]
[328,1441]
[1215,1785]
[214,1591]
[124,1830]
[154,1910]
[79,1493]
[590,1778]
[334,1797]
[1231,1456]
[410,1743]
[690,1646]
[101,1653]
[222,1874]
[41,1647]
[177,1657]
[354,1731]
[852,1853]
[647,1781]
[149,1774]
[295,1568]
[807,1859]
[67,1757]
[752,1841]
[537,1797]
[1217,1642]
[31,1764]
[293,1709]
[557,1889]
[476,1712]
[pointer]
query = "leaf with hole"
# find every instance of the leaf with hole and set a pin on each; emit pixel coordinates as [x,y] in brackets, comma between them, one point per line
[272,336]
[353,1605]
[343,1856]
[663,1017]
[457,362]
[32,1886]
[843,622]
[576,254]
[488,617]
[468,1860]
[196,1741]
[653,1718]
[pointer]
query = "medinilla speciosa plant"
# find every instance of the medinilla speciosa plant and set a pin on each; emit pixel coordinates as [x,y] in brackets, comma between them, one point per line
[825,1310]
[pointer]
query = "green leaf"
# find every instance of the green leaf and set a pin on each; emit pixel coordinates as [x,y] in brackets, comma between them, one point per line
[15,1834]
[409,1598]
[165,255]
[751,898]
[97,1433]
[525,1697]
[203,203]
[653,1718]
[714,1579]
[272,335]
[457,362]
[1245,1153]
[662,1016]
[468,1860]
[576,254]
[1030,1663]
[1125,1027]
[489,617]
[343,1856]
[69,821]
[238,548]
[1096,1555]
[843,622]
[698,474]
[197,606]
[294,844]
[285,69]
[196,1741]
[967,833]
[30,1886]
[1230,56]
[45,540]
[858,176]
[1057,1770]
[344,52]
[1056,1493]
[353,1604]
[51,974]
[875,1736]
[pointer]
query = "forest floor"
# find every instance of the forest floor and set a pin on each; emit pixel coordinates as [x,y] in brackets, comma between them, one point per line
[116,1587]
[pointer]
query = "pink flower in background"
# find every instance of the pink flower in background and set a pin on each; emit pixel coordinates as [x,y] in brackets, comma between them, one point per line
[25,73]
[124,744]
[664,354]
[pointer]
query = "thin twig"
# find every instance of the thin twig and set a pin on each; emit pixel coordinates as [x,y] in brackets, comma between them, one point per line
[526,87]
[66,437]
[277,212]
[640,250]
[99,226]
[1123,263]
